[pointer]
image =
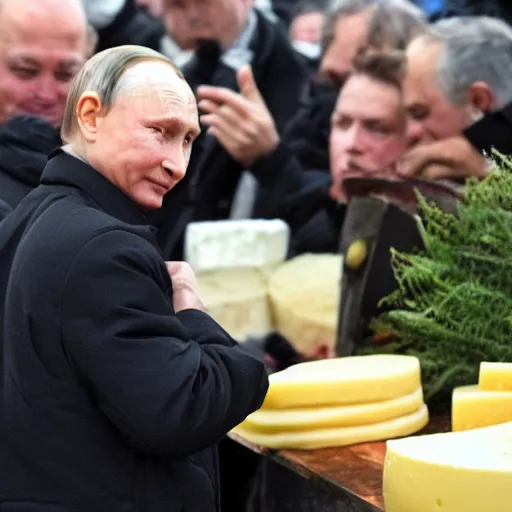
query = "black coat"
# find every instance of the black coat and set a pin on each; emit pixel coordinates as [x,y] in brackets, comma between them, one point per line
[109,400]
[5,209]
[25,143]
[207,191]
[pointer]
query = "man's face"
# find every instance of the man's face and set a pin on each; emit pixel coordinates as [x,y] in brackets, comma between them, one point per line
[187,21]
[143,143]
[350,34]
[38,58]
[307,27]
[431,115]
[368,131]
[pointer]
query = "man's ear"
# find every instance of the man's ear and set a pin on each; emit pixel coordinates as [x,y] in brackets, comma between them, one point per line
[481,97]
[88,113]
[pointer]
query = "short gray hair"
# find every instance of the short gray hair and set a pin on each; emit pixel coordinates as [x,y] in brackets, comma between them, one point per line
[102,74]
[393,23]
[474,48]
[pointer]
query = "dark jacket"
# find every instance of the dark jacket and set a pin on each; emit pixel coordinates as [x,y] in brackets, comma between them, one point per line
[109,400]
[5,209]
[496,8]
[213,176]
[25,143]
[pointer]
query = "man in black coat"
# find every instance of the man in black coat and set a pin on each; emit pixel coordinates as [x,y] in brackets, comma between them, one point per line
[115,384]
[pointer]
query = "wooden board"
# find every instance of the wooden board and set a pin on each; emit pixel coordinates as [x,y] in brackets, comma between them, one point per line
[351,470]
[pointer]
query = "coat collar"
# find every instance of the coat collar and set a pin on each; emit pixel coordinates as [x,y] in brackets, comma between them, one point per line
[66,170]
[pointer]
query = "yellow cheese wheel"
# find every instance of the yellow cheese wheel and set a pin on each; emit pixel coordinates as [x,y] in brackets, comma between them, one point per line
[340,436]
[475,408]
[237,299]
[495,376]
[341,381]
[273,421]
[304,295]
[468,471]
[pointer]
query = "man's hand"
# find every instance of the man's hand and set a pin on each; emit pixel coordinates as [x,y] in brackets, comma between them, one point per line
[184,286]
[452,158]
[242,122]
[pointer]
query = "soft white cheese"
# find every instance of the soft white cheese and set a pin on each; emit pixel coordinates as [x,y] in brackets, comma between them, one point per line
[236,243]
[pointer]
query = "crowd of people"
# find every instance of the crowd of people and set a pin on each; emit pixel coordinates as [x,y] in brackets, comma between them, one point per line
[123,121]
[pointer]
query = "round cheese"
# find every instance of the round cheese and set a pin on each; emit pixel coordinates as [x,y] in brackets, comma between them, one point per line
[341,436]
[304,295]
[290,420]
[342,381]
[468,471]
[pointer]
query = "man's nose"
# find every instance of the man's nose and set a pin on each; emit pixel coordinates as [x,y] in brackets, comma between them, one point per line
[47,89]
[415,133]
[175,164]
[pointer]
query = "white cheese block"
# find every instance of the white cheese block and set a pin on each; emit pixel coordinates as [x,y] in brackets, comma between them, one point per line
[342,381]
[237,299]
[313,418]
[304,295]
[469,471]
[330,437]
[236,243]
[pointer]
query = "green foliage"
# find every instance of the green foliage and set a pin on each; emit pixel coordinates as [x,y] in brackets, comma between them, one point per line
[453,305]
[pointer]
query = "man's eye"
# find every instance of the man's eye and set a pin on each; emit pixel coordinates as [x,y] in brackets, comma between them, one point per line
[189,139]
[25,73]
[64,76]
[419,113]
[157,129]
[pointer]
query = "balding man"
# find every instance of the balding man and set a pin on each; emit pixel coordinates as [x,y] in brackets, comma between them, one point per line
[42,46]
[116,385]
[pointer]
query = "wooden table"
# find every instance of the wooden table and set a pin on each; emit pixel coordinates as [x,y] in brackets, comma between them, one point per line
[351,476]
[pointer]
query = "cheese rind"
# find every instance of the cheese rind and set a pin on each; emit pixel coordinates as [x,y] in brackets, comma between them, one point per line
[249,243]
[341,436]
[237,299]
[304,295]
[476,408]
[289,420]
[343,381]
[468,471]
[495,376]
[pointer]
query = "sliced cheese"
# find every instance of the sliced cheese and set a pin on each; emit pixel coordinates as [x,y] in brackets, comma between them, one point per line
[236,243]
[341,436]
[289,420]
[237,299]
[304,295]
[495,376]
[342,381]
[467,471]
[475,408]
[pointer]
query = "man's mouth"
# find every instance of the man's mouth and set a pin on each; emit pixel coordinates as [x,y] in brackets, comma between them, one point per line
[164,187]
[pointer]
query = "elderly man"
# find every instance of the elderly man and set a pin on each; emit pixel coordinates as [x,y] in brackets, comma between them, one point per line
[116,385]
[457,73]
[42,46]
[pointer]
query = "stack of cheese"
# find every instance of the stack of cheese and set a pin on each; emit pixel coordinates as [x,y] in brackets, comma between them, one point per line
[304,295]
[467,471]
[232,261]
[488,403]
[338,402]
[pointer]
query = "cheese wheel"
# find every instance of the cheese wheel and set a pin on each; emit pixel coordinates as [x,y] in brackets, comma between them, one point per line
[467,471]
[340,436]
[304,294]
[237,299]
[475,408]
[495,376]
[288,420]
[342,381]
